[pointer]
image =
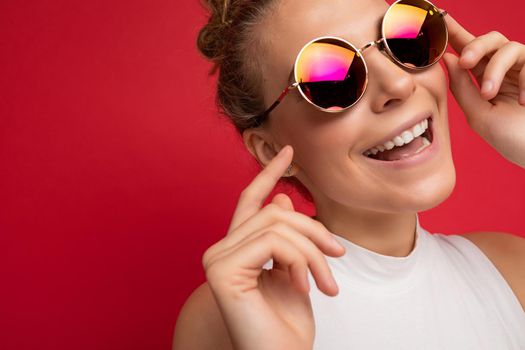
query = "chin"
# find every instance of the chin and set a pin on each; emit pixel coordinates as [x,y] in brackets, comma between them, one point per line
[416,196]
[430,193]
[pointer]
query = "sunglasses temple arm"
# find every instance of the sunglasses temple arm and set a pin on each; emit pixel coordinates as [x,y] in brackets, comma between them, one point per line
[279,99]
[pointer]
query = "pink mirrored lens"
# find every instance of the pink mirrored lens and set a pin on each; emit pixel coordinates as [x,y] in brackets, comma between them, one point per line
[330,74]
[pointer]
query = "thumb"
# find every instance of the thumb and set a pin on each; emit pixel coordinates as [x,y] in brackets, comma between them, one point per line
[283,201]
[466,92]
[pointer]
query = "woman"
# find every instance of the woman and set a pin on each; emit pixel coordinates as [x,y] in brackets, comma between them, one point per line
[382,280]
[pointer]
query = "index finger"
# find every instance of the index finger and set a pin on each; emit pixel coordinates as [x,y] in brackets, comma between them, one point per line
[458,36]
[253,196]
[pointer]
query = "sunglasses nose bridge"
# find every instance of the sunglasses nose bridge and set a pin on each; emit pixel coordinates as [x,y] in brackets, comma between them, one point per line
[378,43]
[381,46]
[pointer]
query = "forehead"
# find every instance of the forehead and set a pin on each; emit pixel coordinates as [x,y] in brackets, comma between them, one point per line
[295,22]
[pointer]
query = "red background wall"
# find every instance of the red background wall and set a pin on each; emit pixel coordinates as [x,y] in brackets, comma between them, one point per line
[116,173]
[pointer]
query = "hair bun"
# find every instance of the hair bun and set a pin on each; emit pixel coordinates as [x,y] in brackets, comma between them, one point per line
[211,40]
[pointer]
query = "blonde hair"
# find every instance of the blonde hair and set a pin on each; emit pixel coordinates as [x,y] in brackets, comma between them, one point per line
[232,40]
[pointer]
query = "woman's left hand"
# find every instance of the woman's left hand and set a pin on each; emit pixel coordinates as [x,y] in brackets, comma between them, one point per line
[497,112]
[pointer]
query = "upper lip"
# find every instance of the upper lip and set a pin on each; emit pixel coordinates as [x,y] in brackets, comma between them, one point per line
[404,126]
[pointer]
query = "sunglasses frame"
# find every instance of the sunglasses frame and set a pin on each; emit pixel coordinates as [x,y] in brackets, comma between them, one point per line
[381,44]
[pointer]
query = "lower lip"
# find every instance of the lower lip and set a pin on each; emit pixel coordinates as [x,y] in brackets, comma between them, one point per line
[423,156]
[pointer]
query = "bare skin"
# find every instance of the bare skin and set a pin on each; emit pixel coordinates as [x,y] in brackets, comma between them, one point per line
[368,205]
[257,302]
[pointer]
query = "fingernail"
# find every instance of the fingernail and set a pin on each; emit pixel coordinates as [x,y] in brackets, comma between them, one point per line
[467,56]
[335,243]
[487,86]
[332,282]
[283,151]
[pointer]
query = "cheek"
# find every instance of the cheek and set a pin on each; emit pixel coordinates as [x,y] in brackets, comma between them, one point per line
[435,81]
[314,133]
[438,89]
[321,143]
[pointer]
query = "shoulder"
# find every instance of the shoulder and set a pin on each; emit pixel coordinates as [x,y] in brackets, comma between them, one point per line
[200,325]
[507,252]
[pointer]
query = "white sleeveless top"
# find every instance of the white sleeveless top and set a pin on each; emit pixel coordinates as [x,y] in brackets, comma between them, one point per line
[446,294]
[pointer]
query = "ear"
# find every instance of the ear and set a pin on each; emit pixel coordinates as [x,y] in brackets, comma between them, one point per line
[260,144]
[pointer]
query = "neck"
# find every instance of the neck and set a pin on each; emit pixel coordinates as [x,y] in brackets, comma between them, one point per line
[391,234]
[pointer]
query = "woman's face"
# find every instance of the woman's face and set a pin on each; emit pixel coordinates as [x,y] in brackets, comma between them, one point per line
[328,147]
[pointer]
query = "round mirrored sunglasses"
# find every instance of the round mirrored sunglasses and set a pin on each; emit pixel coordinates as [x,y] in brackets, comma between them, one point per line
[331,73]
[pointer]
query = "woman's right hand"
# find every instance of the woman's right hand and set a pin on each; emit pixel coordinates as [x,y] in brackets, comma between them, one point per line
[270,309]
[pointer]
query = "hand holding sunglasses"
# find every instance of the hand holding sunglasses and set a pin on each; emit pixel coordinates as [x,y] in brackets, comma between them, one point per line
[497,112]
[331,73]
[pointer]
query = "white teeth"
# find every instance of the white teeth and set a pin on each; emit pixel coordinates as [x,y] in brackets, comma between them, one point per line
[417,130]
[426,142]
[405,137]
[398,141]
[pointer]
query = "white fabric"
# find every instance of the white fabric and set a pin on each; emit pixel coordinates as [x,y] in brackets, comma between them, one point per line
[446,294]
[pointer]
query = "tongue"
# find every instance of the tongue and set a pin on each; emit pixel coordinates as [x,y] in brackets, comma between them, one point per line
[399,152]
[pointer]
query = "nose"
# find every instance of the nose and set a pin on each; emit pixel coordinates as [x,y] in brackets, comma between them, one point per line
[389,83]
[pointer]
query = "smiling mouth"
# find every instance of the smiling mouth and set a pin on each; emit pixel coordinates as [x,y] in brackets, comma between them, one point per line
[409,143]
